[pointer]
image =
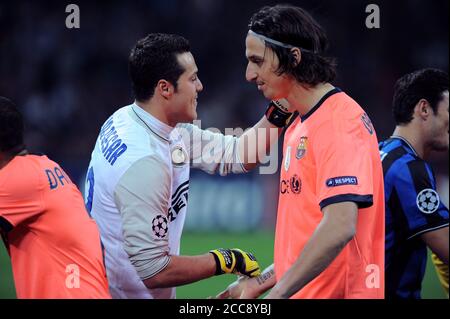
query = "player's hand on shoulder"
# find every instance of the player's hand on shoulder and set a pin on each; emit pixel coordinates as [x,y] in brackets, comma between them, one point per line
[279,112]
[283,104]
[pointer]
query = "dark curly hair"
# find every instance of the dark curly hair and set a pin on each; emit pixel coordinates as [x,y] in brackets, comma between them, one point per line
[294,26]
[428,84]
[154,58]
[11,127]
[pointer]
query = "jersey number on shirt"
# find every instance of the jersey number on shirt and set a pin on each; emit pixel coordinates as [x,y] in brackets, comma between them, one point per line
[90,193]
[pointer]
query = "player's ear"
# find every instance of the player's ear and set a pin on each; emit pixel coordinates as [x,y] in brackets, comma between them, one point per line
[165,88]
[423,109]
[297,56]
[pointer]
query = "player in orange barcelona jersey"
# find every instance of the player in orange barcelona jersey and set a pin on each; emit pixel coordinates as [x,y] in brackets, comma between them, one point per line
[329,240]
[54,245]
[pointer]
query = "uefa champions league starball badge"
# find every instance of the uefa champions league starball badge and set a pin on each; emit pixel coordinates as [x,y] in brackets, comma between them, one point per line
[179,156]
[428,201]
[160,226]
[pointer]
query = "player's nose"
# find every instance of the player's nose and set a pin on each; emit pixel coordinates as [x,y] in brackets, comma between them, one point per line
[250,73]
[199,86]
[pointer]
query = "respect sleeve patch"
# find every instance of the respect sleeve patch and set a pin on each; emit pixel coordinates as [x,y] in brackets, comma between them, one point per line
[341,180]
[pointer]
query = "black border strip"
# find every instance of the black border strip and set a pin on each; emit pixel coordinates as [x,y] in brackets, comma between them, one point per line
[315,107]
[363,201]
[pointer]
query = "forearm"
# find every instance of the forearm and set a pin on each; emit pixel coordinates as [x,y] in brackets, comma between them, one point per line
[323,247]
[183,270]
[443,256]
[256,142]
[437,241]
[265,281]
[250,288]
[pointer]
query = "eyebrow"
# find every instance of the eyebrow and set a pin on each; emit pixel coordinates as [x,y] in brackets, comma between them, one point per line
[254,58]
[195,72]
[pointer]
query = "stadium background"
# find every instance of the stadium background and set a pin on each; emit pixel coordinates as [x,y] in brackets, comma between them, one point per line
[68,81]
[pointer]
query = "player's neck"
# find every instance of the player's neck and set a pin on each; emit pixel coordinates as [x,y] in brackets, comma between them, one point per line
[303,99]
[155,110]
[413,137]
[5,158]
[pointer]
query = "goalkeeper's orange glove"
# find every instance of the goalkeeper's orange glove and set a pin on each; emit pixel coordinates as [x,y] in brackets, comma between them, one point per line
[235,261]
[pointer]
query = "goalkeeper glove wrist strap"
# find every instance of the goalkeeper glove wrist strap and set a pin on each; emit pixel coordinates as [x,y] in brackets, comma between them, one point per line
[224,260]
[277,116]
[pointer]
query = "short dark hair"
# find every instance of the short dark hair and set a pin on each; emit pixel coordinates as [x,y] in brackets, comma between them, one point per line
[11,127]
[294,26]
[428,84]
[154,58]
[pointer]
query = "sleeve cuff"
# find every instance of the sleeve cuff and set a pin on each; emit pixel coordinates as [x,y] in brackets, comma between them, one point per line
[427,228]
[241,168]
[151,269]
[363,201]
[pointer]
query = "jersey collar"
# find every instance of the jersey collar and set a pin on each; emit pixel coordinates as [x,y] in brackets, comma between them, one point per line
[315,107]
[405,142]
[153,124]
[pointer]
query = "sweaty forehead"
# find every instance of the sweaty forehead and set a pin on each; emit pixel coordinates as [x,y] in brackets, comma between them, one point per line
[254,46]
[444,100]
[187,61]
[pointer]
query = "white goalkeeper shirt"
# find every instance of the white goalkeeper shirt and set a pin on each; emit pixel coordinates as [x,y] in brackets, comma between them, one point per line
[137,191]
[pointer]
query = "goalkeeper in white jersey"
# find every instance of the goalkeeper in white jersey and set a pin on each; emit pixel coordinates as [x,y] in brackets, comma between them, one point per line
[138,178]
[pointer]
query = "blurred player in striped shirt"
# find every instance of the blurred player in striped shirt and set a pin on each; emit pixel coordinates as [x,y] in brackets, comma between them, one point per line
[415,215]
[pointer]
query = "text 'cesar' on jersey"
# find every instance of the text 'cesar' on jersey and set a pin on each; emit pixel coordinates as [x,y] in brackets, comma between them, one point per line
[110,143]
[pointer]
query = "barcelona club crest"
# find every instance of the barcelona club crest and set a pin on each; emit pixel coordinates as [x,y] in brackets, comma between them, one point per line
[301,148]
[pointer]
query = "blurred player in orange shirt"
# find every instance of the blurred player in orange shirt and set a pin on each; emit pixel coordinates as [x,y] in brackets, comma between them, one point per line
[329,240]
[54,245]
